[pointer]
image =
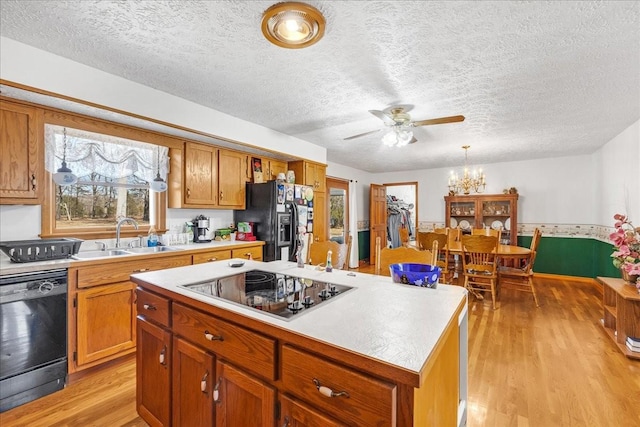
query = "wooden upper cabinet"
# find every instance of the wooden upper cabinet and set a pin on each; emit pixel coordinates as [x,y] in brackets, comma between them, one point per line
[309,173]
[270,168]
[200,182]
[231,183]
[211,178]
[274,167]
[21,154]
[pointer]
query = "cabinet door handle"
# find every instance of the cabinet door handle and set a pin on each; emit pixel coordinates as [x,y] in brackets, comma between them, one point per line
[203,382]
[208,335]
[221,196]
[140,270]
[33,182]
[212,259]
[149,307]
[162,356]
[216,392]
[286,422]
[188,192]
[326,391]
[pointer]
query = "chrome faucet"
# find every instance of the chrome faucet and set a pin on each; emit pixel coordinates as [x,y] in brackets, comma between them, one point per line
[119,224]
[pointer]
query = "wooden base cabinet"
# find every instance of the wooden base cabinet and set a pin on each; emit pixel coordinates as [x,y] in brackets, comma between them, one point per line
[102,307]
[297,414]
[153,374]
[621,306]
[108,325]
[229,370]
[194,382]
[241,399]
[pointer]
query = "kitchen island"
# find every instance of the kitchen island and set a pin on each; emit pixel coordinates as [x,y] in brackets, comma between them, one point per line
[377,354]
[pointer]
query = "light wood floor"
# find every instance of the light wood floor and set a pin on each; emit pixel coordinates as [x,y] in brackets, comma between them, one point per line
[528,366]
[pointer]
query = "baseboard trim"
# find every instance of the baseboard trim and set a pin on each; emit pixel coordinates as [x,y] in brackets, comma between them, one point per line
[565,277]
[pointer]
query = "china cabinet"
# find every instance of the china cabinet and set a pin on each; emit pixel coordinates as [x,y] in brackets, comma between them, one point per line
[497,211]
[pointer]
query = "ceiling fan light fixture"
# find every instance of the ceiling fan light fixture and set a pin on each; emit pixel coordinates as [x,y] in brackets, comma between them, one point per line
[293,25]
[397,137]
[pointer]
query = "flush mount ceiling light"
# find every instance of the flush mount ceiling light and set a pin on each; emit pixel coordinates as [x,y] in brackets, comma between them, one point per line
[293,25]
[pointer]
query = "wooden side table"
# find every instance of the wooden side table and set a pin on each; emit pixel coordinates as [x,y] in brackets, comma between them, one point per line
[621,305]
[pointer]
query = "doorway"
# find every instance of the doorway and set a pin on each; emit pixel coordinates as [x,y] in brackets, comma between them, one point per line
[405,194]
[338,191]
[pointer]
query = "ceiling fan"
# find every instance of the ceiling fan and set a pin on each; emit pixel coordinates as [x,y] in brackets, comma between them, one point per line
[398,118]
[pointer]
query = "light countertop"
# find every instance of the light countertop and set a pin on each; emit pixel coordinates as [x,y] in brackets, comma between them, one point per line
[9,267]
[392,323]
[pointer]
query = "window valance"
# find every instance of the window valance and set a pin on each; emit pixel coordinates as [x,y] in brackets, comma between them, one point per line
[112,157]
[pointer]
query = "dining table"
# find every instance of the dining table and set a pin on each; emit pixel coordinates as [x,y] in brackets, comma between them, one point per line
[504,251]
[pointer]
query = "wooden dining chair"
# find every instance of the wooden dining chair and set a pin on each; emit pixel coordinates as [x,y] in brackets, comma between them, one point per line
[486,232]
[387,256]
[438,244]
[521,278]
[403,232]
[480,264]
[317,253]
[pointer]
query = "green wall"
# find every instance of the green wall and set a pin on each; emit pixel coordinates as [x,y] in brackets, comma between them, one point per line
[566,256]
[363,244]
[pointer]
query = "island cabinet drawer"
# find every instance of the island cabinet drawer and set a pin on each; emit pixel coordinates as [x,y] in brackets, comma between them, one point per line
[152,307]
[120,272]
[211,256]
[255,252]
[240,346]
[367,401]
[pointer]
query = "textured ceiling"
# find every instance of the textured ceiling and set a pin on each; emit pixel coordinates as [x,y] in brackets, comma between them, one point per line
[533,79]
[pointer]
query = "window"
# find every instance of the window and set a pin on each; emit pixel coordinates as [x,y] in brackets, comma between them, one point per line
[113,182]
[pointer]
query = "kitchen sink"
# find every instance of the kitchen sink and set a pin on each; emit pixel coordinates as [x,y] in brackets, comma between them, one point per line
[120,252]
[151,250]
[100,254]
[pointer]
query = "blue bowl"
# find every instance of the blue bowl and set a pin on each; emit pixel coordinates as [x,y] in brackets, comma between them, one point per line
[423,275]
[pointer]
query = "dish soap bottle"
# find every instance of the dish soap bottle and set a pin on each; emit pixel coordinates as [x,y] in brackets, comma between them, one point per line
[329,267]
[153,238]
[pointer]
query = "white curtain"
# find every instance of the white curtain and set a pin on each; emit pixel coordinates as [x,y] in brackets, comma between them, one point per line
[110,156]
[353,224]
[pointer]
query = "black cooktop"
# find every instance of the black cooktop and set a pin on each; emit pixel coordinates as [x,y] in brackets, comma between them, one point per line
[282,295]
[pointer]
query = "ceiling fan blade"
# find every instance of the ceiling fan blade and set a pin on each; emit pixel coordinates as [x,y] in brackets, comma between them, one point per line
[439,121]
[383,116]
[361,134]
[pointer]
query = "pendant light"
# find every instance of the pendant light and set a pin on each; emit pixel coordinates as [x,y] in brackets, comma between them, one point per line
[158,185]
[64,176]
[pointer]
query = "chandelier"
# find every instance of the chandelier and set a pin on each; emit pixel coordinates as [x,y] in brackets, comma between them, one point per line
[470,180]
[397,136]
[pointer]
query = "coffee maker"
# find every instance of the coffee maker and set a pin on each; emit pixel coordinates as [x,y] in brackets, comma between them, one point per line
[200,226]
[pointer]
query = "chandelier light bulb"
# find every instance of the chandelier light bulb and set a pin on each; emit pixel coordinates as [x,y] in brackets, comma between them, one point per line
[474,180]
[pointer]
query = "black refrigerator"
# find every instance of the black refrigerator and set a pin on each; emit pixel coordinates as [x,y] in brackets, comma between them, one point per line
[280,213]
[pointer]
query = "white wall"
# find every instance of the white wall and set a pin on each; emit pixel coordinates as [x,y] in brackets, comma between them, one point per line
[618,175]
[363,178]
[21,63]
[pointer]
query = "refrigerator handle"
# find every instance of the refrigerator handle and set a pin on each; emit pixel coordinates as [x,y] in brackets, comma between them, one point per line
[293,246]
